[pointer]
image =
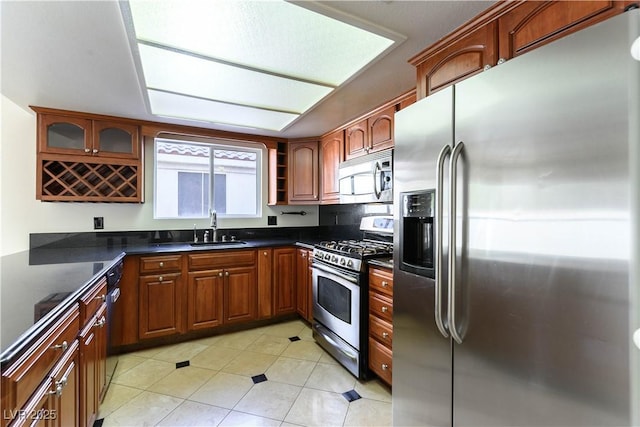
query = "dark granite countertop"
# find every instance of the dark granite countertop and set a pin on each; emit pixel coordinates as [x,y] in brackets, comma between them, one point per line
[57,277]
[382,262]
[33,294]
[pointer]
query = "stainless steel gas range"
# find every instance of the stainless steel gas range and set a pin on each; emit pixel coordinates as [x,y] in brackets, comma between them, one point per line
[340,292]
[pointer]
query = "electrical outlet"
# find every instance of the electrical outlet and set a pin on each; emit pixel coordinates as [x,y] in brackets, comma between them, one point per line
[272,220]
[98,223]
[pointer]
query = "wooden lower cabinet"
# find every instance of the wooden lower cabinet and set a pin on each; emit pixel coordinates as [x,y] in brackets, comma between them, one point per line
[33,368]
[381,322]
[240,294]
[265,283]
[284,280]
[304,296]
[160,309]
[204,299]
[92,365]
[56,402]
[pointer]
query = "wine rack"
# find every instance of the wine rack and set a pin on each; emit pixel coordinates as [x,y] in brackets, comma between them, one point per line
[83,181]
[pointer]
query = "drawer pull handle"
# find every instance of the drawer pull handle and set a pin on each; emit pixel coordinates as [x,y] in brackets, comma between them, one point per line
[102,297]
[384,308]
[62,346]
[100,323]
[385,335]
[384,366]
[161,264]
[385,284]
[161,278]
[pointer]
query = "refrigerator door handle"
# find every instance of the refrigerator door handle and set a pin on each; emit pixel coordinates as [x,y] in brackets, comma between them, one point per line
[444,153]
[453,163]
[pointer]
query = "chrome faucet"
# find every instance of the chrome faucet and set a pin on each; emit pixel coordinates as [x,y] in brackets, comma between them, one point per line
[214,225]
[195,234]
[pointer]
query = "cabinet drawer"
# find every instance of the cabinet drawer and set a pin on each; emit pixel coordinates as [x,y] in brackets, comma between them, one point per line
[21,378]
[221,259]
[381,306]
[381,330]
[160,264]
[380,360]
[381,281]
[92,299]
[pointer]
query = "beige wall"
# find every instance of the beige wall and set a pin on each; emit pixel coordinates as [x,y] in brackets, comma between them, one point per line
[21,213]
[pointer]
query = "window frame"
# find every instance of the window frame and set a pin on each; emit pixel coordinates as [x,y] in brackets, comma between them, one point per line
[212,144]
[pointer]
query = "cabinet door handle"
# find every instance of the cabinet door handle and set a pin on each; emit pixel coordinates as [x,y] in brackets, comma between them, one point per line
[87,150]
[264,253]
[384,366]
[385,335]
[161,278]
[161,264]
[384,308]
[58,390]
[226,273]
[62,346]
[220,274]
[102,297]
[95,151]
[385,284]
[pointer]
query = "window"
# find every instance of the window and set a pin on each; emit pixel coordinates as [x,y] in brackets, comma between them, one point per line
[189,176]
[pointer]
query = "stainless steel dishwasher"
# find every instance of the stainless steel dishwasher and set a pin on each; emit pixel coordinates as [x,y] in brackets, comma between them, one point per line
[113,293]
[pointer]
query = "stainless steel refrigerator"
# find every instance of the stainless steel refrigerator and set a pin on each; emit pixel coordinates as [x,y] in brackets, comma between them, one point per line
[530,168]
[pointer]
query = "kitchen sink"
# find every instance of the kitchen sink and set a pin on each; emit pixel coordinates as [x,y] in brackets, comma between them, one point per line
[219,243]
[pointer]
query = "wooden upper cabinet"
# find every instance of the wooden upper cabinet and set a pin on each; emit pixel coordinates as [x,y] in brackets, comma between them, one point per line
[535,23]
[303,171]
[76,135]
[331,154]
[112,139]
[64,135]
[356,139]
[446,63]
[407,100]
[503,31]
[380,127]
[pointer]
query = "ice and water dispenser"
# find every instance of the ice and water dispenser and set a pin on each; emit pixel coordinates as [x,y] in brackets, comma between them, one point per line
[416,232]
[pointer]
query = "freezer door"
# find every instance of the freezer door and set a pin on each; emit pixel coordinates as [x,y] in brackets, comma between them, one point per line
[421,355]
[543,244]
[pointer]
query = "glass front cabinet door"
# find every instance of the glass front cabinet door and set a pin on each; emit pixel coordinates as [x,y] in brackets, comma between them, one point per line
[78,136]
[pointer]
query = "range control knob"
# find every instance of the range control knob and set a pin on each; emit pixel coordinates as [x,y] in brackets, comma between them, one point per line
[343,261]
[350,263]
[327,257]
[334,259]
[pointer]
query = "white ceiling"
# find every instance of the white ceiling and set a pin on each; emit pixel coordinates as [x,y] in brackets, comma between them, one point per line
[75,55]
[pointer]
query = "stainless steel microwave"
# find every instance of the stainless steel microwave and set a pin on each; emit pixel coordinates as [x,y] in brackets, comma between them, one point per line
[367,179]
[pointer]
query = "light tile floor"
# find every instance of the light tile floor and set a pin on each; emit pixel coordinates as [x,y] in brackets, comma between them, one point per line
[304,384]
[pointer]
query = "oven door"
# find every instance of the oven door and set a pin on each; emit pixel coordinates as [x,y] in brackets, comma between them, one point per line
[336,302]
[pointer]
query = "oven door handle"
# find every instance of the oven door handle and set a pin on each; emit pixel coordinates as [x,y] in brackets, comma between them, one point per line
[331,271]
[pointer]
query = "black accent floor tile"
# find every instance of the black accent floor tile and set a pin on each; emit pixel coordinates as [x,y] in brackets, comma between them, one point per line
[259,378]
[292,339]
[351,395]
[182,364]
[98,423]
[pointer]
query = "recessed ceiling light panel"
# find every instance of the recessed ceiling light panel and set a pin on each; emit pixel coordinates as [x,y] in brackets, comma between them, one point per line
[270,56]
